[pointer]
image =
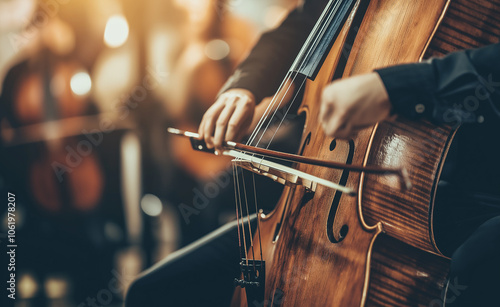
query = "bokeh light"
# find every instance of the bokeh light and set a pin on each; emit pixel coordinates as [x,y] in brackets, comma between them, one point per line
[81,83]
[151,205]
[116,31]
[217,49]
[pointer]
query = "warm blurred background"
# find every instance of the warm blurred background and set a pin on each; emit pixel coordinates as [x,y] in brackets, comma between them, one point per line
[88,89]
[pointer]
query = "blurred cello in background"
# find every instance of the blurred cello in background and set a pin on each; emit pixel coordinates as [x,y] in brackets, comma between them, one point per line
[48,113]
[322,247]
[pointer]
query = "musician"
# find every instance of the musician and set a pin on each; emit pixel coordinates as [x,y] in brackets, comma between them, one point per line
[438,90]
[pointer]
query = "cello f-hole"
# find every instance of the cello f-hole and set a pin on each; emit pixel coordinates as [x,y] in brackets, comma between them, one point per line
[343,232]
[333,144]
[306,142]
[333,236]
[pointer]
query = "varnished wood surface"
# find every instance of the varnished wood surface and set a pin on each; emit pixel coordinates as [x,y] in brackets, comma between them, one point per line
[408,216]
[420,147]
[393,32]
[401,275]
[467,24]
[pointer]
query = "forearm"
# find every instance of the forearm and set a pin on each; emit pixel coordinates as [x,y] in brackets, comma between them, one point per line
[463,87]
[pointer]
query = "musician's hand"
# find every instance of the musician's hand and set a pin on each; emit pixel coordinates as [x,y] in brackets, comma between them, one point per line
[228,119]
[351,104]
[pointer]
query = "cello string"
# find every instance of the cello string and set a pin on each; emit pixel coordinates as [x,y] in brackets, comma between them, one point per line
[248,218]
[237,215]
[254,188]
[272,107]
[267,111]
[261,122]
[243,221]
[255,201]
[252,136]
[337,5]
[275,108]
[315,44]
[259,127]
[258,216]
[286,113]
[265,117]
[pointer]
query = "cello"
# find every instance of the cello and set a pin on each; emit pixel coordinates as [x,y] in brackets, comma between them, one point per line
[45,113]
[324,246]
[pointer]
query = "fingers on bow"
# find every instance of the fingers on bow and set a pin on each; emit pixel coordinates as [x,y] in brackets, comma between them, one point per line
[221,122]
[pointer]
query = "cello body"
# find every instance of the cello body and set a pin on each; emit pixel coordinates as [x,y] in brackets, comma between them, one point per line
[325,248]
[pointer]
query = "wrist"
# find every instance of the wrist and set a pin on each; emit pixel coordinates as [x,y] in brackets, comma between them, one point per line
[241,93]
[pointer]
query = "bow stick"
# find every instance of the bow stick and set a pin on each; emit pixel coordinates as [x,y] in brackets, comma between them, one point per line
[232,146]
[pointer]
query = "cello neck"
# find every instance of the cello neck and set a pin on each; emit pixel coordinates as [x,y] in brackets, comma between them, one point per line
[327,28]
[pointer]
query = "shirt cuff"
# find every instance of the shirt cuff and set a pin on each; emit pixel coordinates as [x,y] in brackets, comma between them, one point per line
[410,88]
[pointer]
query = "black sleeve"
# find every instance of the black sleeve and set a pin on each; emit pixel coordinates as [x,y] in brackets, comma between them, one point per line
[267,64]
[462,87]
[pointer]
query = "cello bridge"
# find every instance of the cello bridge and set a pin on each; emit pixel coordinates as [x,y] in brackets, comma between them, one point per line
[253,281]
[277,175]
